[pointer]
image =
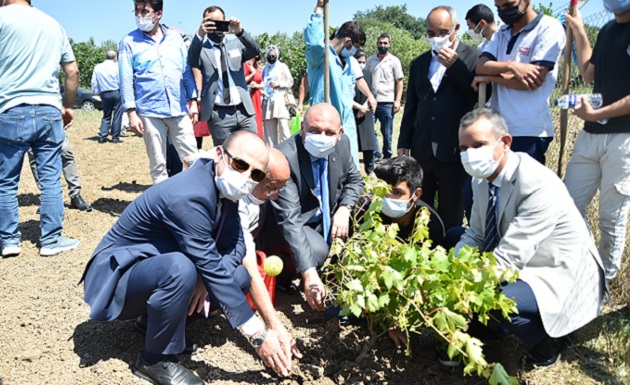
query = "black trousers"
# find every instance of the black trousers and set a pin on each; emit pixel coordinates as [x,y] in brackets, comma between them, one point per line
[446,180]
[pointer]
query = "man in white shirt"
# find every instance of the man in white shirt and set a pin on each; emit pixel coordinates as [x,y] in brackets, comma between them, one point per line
[105,79]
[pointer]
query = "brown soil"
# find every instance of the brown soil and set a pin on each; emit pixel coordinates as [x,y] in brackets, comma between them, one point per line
[47,337]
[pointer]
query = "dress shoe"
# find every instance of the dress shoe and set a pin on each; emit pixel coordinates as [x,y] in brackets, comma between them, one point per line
[140,324]
[545,354]
[79,203]
[167,372]
[117,141]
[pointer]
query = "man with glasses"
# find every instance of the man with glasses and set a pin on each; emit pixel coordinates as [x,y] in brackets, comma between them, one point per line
[178,230]
[156,87]
[315,206]
[439,93]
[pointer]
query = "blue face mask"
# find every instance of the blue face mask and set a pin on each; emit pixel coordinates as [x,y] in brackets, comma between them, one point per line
[617,6]
[347,53]
[395,208]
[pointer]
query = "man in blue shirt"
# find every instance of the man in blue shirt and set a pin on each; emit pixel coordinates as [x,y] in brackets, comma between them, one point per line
[348,38]
[156,85]
[32,116]
[105,81]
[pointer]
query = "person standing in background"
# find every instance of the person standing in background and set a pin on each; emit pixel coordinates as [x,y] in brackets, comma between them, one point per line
[254,78]
[277,80]
[481,24]
[105,80]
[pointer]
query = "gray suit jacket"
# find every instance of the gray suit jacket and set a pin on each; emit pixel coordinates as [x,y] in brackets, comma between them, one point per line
[544,238]
[239,51]
[298,202]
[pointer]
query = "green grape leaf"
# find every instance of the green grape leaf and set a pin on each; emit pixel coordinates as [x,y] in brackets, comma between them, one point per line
[500,377]
[355,285]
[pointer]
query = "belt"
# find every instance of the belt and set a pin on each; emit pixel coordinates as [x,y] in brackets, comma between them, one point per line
[110,91]
[234,107]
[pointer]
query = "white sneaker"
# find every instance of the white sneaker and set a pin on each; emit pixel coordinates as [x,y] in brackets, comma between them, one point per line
[11,250]
[62,244]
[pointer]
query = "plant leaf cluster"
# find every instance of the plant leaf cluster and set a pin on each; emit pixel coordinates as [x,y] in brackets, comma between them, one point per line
[414,286]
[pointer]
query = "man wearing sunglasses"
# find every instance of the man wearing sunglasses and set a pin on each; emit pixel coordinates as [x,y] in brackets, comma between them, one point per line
[178,230]
[315,206]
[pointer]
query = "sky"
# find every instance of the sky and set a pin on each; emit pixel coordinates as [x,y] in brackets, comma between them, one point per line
[113,19]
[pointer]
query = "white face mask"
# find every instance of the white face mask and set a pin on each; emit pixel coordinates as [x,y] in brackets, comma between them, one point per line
[145,24]
[233,185]
[362,65]
[476,35]
[319,146]
[479,162]
[395,208]
[437,43]
[253,200]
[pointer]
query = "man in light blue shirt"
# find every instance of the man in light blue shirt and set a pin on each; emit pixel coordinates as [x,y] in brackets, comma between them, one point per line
[347,40]
[105,81]
[32,116]
[156,85]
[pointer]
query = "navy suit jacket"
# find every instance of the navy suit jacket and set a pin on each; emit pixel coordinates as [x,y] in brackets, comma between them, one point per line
[177,215]
[298,202]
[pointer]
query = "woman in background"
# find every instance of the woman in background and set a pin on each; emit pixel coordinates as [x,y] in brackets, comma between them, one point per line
[254,78]
[277,81]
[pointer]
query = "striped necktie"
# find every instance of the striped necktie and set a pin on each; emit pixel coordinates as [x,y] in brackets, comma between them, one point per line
[491,235]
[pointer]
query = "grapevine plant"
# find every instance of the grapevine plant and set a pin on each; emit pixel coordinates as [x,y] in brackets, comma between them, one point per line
[415,286]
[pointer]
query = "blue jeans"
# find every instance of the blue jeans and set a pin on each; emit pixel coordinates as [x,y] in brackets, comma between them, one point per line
[385,114]
[534,146]
[38,127]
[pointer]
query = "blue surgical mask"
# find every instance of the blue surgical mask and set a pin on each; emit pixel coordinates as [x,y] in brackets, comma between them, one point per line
[395,208]
[347,53]
[617,6]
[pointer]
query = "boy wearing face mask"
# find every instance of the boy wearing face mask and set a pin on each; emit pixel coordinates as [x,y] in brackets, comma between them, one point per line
[224,94]
[520,61]
[438,95]
[156,87]
[481,24]
[404,175]
[524,215]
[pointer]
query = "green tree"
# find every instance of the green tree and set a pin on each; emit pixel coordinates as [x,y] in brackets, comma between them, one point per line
[546,9]
[88,55]
[397,16]
[108,45]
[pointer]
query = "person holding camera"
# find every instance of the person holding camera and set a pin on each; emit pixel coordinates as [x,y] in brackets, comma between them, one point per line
[225,101]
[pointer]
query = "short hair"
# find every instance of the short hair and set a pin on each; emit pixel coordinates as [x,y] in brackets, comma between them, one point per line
[157,5]
[110,55]
[236,136]
[353,30]
[499,126]
[400,169]
[451,11]
[360,53]
[213,8]
[480,12]
[385,35]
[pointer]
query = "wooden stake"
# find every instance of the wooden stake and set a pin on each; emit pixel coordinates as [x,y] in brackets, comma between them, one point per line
[326,51]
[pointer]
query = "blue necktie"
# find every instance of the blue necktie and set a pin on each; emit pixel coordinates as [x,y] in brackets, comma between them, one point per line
[491,235]
[322,188]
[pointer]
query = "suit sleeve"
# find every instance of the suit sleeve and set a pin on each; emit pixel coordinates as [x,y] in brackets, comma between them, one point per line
[194,52]
[288,214]
[250,47]
[191,226]
[411,106]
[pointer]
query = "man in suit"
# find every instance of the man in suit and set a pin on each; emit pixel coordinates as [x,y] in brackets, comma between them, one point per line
[439,93]
[524,214]
[309,213]
[225,101]
[178,230]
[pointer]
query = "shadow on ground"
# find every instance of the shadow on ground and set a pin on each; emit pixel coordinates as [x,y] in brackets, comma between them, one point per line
[132,187]
[113,207]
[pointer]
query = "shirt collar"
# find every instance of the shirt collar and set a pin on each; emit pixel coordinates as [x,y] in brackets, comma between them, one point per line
[528,27]
[508,170]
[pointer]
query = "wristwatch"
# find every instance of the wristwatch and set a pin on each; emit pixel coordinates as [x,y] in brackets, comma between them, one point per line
[259,340]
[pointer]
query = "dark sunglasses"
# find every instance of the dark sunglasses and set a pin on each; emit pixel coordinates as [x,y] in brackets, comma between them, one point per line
[241,166]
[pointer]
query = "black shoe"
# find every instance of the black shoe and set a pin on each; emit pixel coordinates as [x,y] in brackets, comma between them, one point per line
[117,141]
[167,372]
[101,141]
[545,354]
[140,324]
[79,203]
[289,288]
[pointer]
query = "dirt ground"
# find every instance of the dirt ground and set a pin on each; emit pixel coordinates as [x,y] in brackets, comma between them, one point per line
[46,336]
